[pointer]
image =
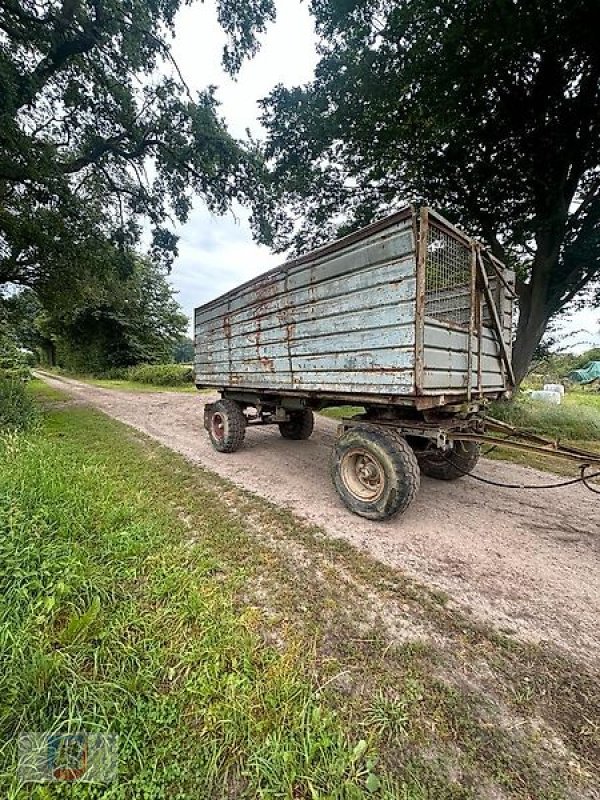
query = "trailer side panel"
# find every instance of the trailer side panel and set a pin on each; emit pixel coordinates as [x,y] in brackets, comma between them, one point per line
[341,322]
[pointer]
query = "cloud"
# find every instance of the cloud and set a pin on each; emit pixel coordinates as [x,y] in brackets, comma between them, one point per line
[215,255]
[218,253]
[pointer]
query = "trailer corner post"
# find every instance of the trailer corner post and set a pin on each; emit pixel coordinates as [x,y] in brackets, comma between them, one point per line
[420,298]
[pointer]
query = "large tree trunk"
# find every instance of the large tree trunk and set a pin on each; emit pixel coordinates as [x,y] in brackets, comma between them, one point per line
[535,304]
[534,314]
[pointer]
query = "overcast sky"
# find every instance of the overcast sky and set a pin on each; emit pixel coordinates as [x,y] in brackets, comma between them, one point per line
[217,253]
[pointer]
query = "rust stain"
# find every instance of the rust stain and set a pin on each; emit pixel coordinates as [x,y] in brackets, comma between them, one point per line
[267,364]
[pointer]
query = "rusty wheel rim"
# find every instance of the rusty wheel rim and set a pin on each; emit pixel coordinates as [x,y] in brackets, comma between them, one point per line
[218,426]
[362,474]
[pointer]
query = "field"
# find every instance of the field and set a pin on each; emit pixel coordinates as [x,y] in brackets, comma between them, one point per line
[239,653]
[144,378]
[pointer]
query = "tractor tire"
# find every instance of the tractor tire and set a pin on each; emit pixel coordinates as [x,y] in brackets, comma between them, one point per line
[375,472]
[226,425]
[451,465]
[299,426]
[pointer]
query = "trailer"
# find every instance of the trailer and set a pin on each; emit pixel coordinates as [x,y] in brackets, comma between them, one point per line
[408,318]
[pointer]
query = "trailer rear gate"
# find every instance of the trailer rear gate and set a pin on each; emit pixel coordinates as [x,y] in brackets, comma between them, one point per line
[386,313]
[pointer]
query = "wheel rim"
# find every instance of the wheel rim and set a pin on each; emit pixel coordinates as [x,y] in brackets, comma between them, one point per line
[362,475]
[218,426]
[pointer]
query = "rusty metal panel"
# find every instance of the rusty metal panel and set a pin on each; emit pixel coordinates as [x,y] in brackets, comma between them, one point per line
[393,311]
[467,313]
[342,322]
[446,355]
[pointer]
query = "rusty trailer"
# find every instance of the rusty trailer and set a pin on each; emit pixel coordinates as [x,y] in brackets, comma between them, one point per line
[409,318]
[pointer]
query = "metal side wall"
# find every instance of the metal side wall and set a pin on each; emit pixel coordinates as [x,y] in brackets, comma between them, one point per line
[343,322]
[462,352]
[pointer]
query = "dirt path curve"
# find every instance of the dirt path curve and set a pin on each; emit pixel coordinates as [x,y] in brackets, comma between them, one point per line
[529,561]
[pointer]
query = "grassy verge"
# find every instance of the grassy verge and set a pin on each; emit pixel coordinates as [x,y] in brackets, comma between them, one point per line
[123,384]
[240,653]
[134,386]
[113,619]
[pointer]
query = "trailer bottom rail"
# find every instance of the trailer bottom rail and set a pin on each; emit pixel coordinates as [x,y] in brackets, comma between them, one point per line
[482,430]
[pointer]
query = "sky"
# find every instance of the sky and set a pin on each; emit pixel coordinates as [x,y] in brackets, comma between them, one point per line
[218,253]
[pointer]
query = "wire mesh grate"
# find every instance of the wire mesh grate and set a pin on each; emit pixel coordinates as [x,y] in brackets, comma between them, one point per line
[447,278]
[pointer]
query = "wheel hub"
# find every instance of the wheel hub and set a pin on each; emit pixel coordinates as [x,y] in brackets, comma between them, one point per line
[362,474]
[218,426]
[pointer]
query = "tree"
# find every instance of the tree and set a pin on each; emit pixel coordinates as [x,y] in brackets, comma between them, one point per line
[121,323]
[488,109]
[183,351]
[98,130]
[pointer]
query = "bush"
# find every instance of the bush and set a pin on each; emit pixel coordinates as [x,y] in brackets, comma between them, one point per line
[17,411]
[14,363]
[568,421]
[162,374]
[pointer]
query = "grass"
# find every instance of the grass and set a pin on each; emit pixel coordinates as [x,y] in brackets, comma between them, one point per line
[339,412]
[123,384]
[112,620]
[135,386]
[16,408]
[238,652]
[576,419]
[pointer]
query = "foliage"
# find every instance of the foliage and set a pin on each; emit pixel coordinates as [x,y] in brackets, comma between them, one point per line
[183,350]
[113,618]
[99,131]
[121,322]
[555,367]
[161,374]
[573,420]
[16,408]
[490,111]
[14,362]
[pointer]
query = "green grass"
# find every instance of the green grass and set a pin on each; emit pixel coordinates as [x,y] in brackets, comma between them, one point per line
[112,619]
[235,649]
[16,407]
[581,398]
[339,412]
[576,419]
[123,384]
[135,386]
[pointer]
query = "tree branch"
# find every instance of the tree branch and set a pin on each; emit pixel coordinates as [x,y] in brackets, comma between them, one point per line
[62,51]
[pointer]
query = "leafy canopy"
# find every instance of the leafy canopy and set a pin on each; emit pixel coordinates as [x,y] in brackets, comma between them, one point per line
[98,131]
[489,110]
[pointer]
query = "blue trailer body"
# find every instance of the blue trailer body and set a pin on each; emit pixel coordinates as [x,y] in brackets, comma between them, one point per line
[407,311]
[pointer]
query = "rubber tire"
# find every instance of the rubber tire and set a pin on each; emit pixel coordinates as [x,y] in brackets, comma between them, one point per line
[400,467]
[234,423]
[299,426]
[451,465]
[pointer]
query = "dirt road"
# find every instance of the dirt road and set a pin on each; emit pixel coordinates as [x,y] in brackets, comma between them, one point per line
[528,561]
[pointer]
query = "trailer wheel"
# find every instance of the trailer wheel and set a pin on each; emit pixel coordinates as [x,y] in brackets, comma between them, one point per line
[451,465]
[226,425]
[375,472]
[299,426]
